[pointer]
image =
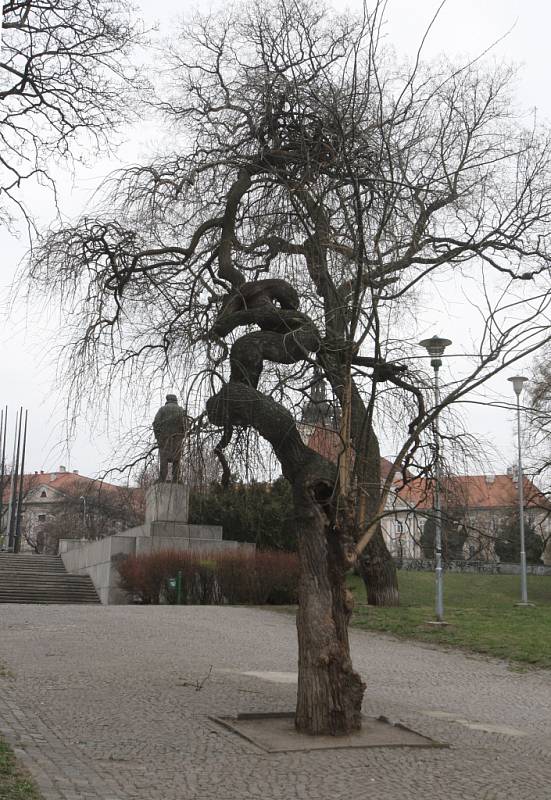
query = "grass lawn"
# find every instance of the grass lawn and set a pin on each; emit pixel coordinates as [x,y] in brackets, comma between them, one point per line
[15,784]
[480,609]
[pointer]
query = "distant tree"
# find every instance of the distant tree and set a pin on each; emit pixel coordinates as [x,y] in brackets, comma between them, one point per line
[507,543]
[106,513]
[64,72]
[454,536]
[255,512]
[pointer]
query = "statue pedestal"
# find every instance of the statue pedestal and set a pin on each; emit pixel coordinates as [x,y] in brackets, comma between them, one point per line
[166,528]
[167,502]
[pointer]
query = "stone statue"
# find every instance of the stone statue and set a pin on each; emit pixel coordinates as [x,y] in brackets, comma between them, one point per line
[170,427]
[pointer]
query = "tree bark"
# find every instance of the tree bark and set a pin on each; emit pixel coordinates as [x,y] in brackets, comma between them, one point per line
[329,699]
[376,566]
[379,573]
[330,692]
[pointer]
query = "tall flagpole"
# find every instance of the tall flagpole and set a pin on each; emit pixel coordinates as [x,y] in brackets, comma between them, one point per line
[17,542]
[4,425]
[12,483]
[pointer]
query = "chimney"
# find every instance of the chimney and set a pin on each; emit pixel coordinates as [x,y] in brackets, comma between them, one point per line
[75,472]
[42,472]
[62,468]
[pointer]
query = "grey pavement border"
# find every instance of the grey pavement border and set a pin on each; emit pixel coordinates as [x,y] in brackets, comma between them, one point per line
[275,733]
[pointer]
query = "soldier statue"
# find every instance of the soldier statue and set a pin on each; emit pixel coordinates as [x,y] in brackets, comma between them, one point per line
[170,427]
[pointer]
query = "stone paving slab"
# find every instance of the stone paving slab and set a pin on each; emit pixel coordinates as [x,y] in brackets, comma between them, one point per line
[104,704]
[275,733]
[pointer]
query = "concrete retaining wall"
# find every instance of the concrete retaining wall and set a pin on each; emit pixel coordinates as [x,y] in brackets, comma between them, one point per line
[98,559]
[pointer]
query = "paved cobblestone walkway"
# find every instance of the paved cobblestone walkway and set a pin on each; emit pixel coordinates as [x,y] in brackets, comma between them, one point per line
[102,704]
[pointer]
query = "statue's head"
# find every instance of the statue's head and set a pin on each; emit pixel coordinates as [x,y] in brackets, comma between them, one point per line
[171,398]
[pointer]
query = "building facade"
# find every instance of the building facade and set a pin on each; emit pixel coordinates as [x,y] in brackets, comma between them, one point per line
[64,504]
[476,508]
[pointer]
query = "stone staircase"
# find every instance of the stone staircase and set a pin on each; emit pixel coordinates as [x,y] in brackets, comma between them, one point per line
[30,578]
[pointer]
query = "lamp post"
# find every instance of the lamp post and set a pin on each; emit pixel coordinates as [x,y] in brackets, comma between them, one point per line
[435,347]
[518,384]
[83,511]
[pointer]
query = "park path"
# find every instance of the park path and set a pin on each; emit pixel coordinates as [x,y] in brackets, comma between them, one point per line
[102,704]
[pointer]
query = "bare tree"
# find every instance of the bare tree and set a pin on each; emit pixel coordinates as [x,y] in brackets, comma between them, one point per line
[316,186]
[63,69]
[91,511]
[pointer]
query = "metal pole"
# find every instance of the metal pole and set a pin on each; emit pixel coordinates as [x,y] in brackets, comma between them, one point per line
[3,426]
[179,588]
[523,581]
[15,459]
[17,543]
[439,604]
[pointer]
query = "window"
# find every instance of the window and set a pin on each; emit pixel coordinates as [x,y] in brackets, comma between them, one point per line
[399,526]
[42,517]
[43,494]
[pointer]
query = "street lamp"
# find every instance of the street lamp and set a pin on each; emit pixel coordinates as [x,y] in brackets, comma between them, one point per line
[83,510]
[435,347]
[518,384]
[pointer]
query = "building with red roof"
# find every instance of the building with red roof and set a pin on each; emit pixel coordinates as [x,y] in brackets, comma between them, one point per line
[70,505]
[482,503]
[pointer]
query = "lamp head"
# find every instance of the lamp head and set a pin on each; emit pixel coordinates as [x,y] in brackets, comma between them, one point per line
[435,347]
[518,383]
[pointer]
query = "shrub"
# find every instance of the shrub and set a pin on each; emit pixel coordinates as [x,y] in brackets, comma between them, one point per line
[148,575]
[210,578]
[279,574]
[238,578]
[248,512]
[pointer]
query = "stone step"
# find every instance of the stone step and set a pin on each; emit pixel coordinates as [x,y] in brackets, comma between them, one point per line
[40,577]
[8,559]
[47,597]
[11,564]
[31,556]
[50,591]
[53,568]
[29,578]
[68,601]
[16,563]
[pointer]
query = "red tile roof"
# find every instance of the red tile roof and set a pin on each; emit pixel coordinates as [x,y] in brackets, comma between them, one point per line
[474,491]
[68,483]
[328,443]
[470,491]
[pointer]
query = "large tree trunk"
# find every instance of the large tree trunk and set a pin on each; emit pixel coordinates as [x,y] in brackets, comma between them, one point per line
[330,692]
[379,573]
[376,566]
[329,700]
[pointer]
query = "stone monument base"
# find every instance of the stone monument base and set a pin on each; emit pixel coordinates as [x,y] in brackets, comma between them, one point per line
[165,528]
[167,502]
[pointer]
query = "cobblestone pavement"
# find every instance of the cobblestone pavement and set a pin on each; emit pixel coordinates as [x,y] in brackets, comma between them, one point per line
[102,704]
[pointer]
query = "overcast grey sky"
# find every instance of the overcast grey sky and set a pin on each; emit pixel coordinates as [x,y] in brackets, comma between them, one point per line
[28,337]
